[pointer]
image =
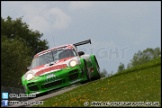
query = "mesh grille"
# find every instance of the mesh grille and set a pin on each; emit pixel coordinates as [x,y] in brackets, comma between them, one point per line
[52,84]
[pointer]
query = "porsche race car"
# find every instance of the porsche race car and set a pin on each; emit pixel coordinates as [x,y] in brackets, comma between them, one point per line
[59,67]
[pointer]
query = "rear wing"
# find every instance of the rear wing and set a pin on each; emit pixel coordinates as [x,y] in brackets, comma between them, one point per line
[82,42]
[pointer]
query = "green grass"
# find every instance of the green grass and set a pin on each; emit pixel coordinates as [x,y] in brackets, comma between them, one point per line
[142,83]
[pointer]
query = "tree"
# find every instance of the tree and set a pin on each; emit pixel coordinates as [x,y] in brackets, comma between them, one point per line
[14,59]
[103,73]
[13,29]
[129,65]
[121,67]
[156,52]
[18,45]
[145,56]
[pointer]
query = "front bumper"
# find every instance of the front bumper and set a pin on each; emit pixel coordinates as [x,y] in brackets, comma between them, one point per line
[61,78]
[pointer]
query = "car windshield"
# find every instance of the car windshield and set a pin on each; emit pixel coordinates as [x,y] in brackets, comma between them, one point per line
[53,55]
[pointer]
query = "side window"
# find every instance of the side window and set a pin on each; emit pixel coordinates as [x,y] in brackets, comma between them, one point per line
[75,51]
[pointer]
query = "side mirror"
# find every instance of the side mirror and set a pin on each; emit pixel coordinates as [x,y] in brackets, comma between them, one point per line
[81,53]
[28,68]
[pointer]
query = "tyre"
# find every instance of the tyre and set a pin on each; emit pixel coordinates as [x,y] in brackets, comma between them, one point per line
[96,67]
[87,74]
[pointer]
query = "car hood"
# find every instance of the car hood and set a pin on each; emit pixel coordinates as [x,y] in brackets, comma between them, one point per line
[57,65]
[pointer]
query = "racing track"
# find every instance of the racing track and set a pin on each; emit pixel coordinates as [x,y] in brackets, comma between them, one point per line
[53,93]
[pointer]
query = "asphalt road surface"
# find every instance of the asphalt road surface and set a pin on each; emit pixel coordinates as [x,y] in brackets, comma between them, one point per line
[52,94]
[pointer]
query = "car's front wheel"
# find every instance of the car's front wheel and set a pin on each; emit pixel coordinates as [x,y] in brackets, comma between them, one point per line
[87,73]
[96,67]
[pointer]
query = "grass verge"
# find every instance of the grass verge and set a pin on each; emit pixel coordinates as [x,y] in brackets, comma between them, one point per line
[139,84]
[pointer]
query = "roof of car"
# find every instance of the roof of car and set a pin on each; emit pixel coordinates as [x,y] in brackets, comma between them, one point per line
[44,51]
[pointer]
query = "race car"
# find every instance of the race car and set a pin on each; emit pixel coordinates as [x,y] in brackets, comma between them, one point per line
[59,67]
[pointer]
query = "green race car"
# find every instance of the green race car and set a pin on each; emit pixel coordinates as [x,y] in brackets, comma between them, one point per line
[59,67]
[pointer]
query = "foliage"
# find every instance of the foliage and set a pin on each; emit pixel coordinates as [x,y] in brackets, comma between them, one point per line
[121,67]
[144,56]
[148,64]
[18,45]
[16,28]
[14,58]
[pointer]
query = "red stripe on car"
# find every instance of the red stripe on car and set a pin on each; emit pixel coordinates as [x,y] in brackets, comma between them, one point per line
[39,67]
[50,68]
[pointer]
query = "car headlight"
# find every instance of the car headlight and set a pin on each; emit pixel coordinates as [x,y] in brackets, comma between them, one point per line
[73,63]
[29,75]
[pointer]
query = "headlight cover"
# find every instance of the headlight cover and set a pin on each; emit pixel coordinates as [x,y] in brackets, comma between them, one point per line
[29,75]
[73,63]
